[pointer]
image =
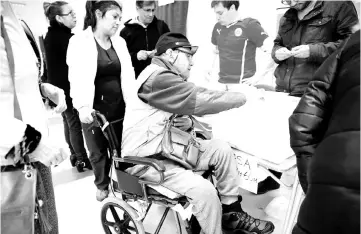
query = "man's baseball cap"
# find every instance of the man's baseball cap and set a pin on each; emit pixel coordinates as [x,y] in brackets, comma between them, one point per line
[172,40]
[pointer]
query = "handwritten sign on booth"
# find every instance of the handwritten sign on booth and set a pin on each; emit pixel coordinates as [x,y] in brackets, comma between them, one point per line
[247,168]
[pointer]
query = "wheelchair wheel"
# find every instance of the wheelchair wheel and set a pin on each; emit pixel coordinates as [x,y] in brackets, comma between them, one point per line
[120,218]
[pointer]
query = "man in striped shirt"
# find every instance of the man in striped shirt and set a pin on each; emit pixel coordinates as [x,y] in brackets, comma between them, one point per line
[236,42]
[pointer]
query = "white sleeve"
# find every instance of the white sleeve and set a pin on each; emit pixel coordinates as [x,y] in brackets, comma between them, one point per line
[267,45]
[12,132]
[127,75]
[81,84]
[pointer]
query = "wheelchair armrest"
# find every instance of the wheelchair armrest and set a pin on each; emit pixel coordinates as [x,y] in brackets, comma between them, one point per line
[157,165]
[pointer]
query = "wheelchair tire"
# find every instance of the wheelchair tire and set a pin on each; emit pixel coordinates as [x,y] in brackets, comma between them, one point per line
[126,224]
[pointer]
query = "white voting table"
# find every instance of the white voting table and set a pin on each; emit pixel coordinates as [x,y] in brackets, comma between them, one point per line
[259,134]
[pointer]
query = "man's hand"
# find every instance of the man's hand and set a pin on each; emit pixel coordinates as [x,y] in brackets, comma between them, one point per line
[252,80]
[183,123]
[47,154]
[85,115]
[282,54]
[302,51]
[151,53]
[215,50]
[142,55]
[56,95]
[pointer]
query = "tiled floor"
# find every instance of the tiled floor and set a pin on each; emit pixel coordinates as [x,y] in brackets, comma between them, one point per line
[79,212]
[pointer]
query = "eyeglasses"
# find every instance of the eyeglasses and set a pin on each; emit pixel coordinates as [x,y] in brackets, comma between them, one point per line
[185,51]
[72,13]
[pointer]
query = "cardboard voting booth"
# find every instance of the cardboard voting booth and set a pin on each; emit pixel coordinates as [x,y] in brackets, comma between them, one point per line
[259,133]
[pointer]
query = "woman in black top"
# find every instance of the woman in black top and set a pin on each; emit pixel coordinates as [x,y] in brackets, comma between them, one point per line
[62,19]
[101,77]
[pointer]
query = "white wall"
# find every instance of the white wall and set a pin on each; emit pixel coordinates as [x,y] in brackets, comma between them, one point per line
[200,22]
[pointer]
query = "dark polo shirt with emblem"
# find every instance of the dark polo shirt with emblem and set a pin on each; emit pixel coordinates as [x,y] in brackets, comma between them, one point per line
[237,45]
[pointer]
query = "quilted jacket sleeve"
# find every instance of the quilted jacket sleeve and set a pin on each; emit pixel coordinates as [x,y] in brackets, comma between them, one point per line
[309,120]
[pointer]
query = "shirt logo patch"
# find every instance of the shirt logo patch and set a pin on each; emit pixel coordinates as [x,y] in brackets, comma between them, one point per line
[238,32]
[219,30]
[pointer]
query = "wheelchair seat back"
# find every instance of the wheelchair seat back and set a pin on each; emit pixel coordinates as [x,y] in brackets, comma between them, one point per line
[128,184]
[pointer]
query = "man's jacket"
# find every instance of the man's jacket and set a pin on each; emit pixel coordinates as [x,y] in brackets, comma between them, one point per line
[161,91]
[323,29]
[325,135]
[139,38]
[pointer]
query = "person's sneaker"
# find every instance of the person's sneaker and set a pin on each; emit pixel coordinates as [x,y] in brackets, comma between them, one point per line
[102,194]
[241,222]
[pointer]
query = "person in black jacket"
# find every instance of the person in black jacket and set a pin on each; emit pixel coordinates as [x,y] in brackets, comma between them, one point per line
[142,33]
[309,32]
[325,135]
[62,19]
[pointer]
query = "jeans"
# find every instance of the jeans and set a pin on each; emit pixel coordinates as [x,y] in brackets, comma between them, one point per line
[200,192]
[73,132]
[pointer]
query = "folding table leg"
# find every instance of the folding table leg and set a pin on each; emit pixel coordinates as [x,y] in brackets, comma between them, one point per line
[295,209]
[293,206]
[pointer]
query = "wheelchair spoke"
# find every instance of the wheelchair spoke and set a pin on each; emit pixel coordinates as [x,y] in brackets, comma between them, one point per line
[115,214]
[108,223]
[126,221]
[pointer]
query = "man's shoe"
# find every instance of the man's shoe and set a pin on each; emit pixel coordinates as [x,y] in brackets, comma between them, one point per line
[83,163]
[102,194]
[241,222]
[267,185]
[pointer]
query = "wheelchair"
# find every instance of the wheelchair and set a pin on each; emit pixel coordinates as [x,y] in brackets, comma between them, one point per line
[117,213]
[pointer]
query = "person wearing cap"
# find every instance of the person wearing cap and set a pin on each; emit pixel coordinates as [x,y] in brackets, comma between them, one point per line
[162,90]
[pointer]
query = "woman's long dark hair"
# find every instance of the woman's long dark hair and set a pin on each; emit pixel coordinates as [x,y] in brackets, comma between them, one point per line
[51,10]
[92,6]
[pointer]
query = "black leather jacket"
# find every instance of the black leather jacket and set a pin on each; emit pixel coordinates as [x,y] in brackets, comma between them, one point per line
[323,29]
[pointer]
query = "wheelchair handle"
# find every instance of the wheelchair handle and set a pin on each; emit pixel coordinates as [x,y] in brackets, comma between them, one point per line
[101,121]
[99,118]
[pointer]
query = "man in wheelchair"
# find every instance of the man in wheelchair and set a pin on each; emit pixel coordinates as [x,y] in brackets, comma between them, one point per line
[163,90]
